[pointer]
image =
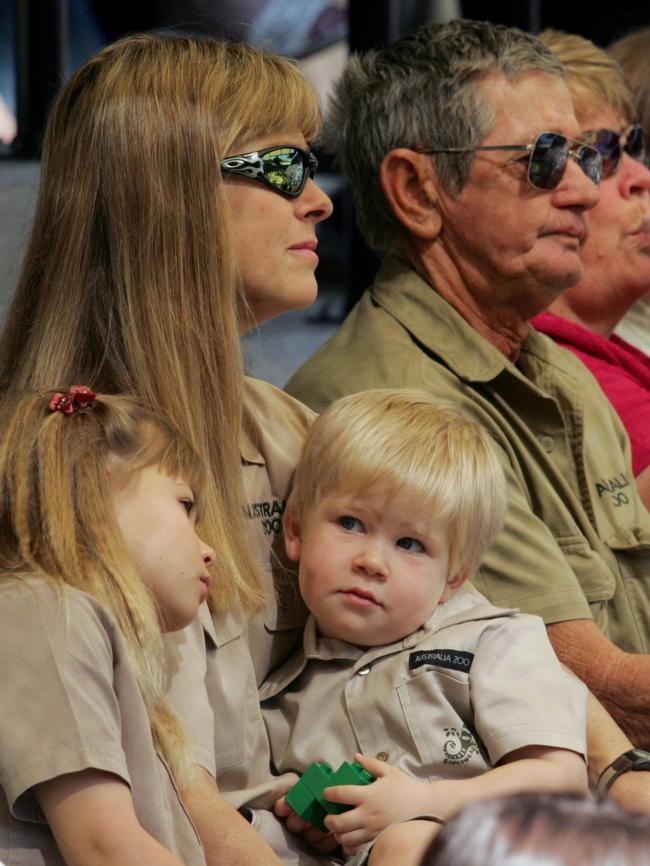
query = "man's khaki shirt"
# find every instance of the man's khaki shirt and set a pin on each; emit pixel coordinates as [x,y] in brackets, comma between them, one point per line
[218,661]
[576,543]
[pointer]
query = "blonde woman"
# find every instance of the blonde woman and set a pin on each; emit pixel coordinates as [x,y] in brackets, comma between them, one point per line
[177,209]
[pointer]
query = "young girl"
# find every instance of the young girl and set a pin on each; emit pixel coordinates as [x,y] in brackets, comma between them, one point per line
[98,556]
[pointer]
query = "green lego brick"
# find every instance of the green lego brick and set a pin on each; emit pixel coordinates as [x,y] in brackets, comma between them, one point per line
[317,776]
[347,774]
[351,774]
[304,803]
[306,797]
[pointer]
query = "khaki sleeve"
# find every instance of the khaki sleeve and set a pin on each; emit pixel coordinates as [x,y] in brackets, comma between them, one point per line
[528,568]
[361,857]
[187,691]
[59,711]
[520,694]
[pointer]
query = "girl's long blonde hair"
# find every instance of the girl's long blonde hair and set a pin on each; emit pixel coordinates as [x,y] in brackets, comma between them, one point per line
[129,282]
[57,521]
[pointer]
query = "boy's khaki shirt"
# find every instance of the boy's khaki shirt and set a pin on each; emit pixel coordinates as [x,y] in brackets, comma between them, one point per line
[218,662]
[449,701]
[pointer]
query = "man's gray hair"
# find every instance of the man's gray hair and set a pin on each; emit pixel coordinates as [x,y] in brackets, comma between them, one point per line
[421,93]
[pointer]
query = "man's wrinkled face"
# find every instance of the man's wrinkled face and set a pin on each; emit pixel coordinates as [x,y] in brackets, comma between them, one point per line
[512,243]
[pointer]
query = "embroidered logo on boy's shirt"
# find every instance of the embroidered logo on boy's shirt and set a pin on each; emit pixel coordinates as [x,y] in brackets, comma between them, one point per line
[459,746]
[455,660]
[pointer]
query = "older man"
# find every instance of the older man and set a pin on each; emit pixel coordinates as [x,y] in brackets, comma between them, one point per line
[459,143]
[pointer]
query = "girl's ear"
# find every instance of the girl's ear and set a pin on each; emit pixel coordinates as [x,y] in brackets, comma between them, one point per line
[292,538]
[454,582]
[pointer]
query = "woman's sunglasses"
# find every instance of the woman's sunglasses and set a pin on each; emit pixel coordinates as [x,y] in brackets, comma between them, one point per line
[611,146]
[549,155]
[284,168]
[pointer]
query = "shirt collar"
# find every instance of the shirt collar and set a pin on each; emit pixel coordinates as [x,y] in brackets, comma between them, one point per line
[439,327]
[249,451]
[317,647]
[467,604]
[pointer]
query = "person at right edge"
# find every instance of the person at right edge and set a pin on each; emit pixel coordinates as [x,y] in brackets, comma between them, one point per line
[460,144]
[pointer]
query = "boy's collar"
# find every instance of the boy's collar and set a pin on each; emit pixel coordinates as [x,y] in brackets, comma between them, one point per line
[465,604]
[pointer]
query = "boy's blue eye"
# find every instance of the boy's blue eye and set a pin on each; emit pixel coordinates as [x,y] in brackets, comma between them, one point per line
[351,524]
[410,544]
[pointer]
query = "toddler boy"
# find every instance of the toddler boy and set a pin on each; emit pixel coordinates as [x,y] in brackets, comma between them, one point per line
[443,697]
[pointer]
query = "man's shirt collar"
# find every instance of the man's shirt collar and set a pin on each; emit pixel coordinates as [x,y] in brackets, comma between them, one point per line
[440,328]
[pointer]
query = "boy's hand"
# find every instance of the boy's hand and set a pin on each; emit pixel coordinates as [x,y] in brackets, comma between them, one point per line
[392,796]
[324,843]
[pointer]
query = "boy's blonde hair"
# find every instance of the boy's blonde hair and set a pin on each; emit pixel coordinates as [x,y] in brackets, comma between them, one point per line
[57,521]
[412,447]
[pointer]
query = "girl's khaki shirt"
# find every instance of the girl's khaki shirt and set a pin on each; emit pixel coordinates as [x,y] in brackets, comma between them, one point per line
[69,701]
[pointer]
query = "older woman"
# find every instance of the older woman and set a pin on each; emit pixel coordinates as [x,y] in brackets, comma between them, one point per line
[633,53]
[616,253]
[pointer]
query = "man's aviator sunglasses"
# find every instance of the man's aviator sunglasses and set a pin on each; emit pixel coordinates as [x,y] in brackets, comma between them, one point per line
[611,145]
[284,168]
[549,155]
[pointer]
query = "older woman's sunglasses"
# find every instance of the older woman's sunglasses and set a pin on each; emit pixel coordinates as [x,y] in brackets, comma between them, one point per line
[284,168]
[548,157]
[611,145]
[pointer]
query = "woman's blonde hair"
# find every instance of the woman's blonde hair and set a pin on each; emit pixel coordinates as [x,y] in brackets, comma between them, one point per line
[633,53]
[413,448]
[130,282]
[57,521]
[594,79]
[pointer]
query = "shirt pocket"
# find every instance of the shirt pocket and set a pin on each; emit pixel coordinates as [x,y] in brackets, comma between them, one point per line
[632,604]
[438,716]
[593,568]
[232,693]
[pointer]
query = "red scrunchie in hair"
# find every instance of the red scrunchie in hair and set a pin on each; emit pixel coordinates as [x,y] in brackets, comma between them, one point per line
[79,397]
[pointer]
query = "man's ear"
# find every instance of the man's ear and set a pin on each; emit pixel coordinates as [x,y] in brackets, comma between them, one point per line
[454,582]
[292,536]
[409,182]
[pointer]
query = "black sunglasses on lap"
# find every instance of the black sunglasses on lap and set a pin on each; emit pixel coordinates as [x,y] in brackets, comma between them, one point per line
[284,168]
[548,158]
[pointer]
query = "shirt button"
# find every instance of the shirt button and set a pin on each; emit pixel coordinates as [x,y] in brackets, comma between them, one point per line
[547,443]
[363,671]
[382,756]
